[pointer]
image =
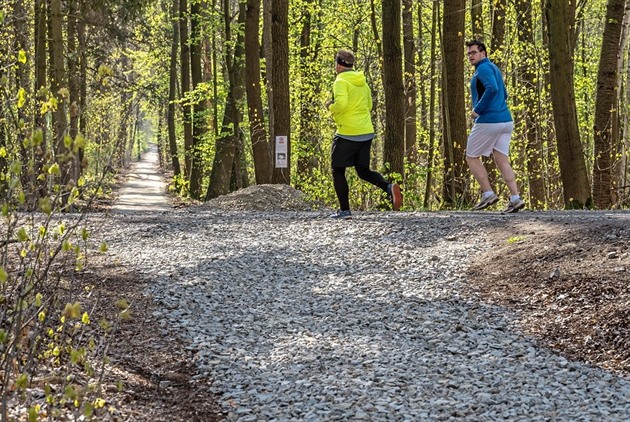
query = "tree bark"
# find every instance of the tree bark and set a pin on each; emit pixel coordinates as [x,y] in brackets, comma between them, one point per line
[280,82]
[184,55]
[411,149]
[455,173]
[476,18]
[260,144]
[227,143]
[308,145]
[59,88]
[498,32]
[199,126]
[394,140]
[576,190]
[606,101]
[40,149]
[534,149]
[74,86]
[432,98]
[172,92]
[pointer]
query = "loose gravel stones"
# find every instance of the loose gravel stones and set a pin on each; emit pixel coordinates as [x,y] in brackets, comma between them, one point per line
[298,317]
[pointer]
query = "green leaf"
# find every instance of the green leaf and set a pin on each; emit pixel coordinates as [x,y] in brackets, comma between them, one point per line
[22,382]
[103,247]
[45,205]
[54,169]
[33,413]
[3,275]
[21,234]
[21,98]
[22,56]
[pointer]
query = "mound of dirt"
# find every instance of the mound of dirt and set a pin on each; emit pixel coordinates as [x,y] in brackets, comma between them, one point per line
[570,284]
[264,198]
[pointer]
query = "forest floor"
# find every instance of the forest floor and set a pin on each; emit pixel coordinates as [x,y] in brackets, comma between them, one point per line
[568,281]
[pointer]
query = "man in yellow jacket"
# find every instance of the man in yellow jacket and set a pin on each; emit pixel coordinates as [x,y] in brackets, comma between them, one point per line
[350,107]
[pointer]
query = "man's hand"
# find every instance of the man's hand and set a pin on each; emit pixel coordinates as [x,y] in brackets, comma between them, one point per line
[473,114]
[328,103]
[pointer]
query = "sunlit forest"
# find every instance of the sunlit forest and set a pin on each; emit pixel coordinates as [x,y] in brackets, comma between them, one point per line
[85,86]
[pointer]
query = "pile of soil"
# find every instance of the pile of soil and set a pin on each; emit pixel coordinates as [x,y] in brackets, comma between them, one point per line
[264,198]
[569,283]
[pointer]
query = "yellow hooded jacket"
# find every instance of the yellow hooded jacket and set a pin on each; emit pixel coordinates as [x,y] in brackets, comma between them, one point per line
[352,104]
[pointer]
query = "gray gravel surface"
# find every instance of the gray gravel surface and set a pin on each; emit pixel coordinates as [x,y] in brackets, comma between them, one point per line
[297,317]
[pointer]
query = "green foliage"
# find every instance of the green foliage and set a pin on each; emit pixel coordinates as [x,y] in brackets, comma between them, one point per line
[515,239]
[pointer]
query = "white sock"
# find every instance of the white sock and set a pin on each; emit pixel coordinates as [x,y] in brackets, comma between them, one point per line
[487,194]
[514,197]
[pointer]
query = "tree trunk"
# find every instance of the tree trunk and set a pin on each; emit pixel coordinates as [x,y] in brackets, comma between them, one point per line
[184,54]
[308,149]
[81,35]
[59,89]
[172,92]
[40,82]
[476,18]
[228,141]
[280,82]
[199,128]
[260,144]
[25,106]
[411,149]
[394,140]
[570,151]
[607,100]
[432,97]
[498,33]
[621,119]
[455,174]
[534,149]
[74,86]
[268,53]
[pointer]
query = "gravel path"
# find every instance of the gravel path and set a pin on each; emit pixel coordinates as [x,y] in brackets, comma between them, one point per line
[297,317]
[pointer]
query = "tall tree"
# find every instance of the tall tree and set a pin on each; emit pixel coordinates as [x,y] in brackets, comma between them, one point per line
[527,72]
[260,143]
[280,82]
[74,86]
[184,59]
[59,88]
[606,102]
[199,126]
[308,143]
[499,10]
[394,145]
[40,95]
[228,141]
[172,90]
[561,21]
[435,17]
[476,19]
[454,182]
[411,148]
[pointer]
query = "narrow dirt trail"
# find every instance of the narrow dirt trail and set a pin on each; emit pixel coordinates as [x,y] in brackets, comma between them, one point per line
[144,190]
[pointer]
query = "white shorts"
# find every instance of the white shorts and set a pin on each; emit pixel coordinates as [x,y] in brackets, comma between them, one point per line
[487,137]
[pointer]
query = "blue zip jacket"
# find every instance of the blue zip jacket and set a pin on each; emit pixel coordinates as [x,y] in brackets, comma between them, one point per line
[489,94]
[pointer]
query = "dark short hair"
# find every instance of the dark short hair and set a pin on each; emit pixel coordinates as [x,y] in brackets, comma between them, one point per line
[345,58]
[481,46]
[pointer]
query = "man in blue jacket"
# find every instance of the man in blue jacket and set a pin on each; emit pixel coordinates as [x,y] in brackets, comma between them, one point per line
[492,129]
